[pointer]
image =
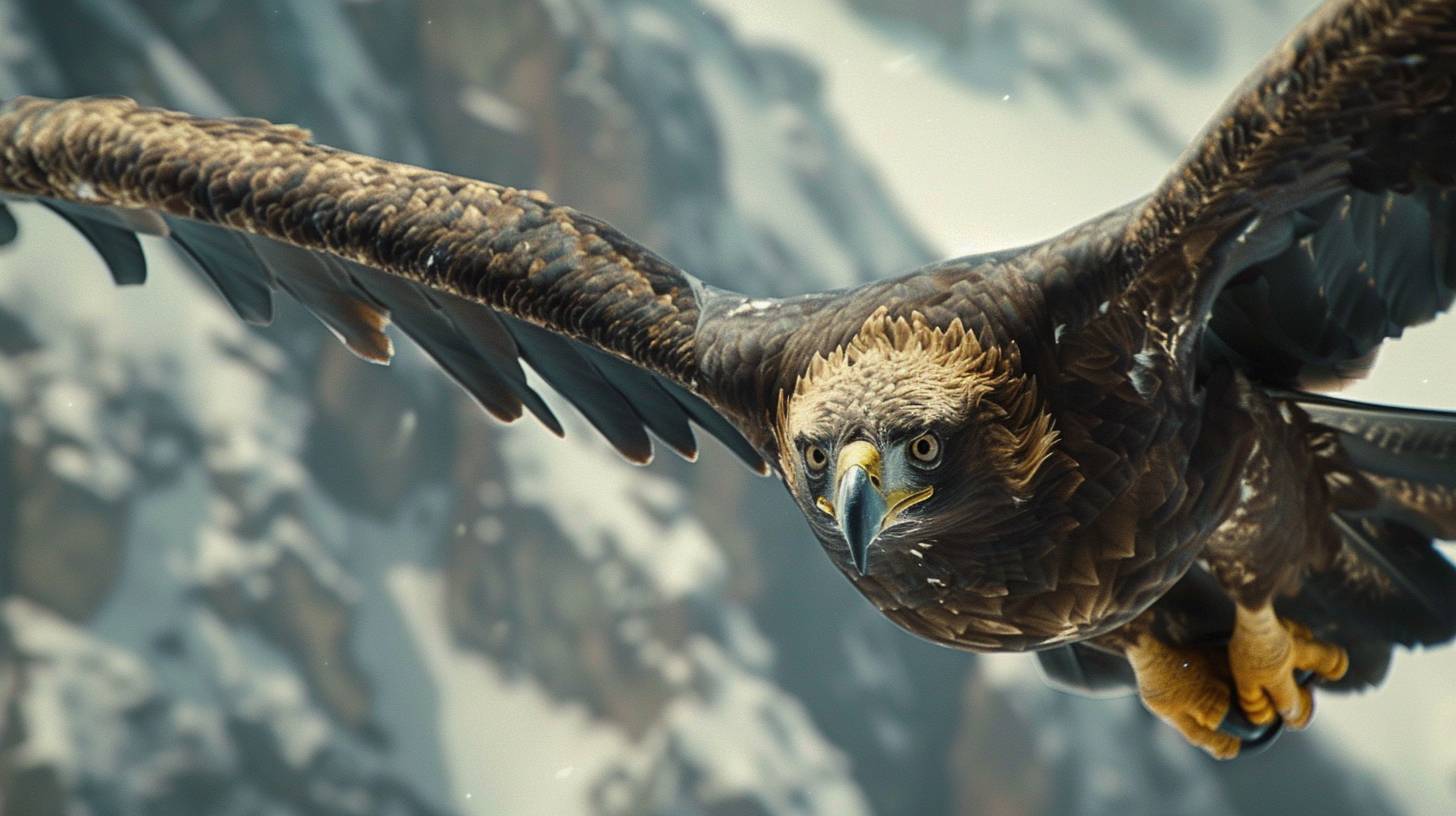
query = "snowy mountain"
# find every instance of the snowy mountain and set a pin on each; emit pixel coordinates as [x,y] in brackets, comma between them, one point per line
[244,573]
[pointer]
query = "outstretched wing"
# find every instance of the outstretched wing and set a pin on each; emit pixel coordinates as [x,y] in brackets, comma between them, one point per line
[481,276]
[1313,218]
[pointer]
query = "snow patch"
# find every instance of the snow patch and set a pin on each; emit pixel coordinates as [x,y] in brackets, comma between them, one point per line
[637,518]
[505,740]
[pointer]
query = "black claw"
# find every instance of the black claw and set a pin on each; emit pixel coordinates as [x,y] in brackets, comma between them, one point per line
[1252,738]
[1255,738]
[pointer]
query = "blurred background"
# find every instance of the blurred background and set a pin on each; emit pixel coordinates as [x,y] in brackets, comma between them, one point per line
[243,573]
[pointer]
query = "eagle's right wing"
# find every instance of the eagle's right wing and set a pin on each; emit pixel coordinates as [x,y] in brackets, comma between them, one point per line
[1314,217]
[481,276]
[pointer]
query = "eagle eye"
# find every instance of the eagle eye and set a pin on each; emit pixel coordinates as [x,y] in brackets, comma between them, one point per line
[925,449]
[815,458]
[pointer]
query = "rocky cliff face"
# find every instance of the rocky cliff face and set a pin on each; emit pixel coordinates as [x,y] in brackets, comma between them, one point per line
[241,572]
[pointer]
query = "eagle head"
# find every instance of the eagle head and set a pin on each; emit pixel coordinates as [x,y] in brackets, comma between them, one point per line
[913,435]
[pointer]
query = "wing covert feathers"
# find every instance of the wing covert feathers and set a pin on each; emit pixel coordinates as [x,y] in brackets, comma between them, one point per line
[508,249]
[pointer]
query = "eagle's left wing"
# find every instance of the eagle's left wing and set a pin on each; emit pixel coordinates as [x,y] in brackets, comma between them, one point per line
[481,276]
[1314,216]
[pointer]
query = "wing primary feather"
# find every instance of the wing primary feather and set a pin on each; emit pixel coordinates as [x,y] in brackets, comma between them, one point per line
[480,369]
[481,381]
[226,259]
[661,413]
[347,312]
[482,327]
[714,423]
[576,379]
[8,228]
[118,247]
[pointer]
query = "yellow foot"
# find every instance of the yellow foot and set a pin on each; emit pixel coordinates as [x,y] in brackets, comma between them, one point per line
[1188,689]
[1265,652]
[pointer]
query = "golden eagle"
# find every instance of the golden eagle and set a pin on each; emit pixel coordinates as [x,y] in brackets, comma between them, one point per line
[1103,446]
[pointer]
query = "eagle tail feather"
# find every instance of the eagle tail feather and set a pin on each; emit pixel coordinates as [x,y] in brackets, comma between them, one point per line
[1407,443]
[1389,584]
[1408,455]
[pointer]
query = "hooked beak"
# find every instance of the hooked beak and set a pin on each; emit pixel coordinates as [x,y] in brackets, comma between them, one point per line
[862,507]
[860,513]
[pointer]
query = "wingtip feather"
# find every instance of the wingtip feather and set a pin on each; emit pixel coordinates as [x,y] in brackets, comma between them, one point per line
[8,228]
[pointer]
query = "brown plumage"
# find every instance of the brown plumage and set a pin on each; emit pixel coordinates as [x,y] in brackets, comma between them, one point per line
[1061,446]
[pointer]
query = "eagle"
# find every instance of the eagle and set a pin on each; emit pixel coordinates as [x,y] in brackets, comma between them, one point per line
[1113,447]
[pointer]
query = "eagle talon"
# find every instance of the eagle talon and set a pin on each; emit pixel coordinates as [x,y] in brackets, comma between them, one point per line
[1255,738]
[1186,688]
[1273,662]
